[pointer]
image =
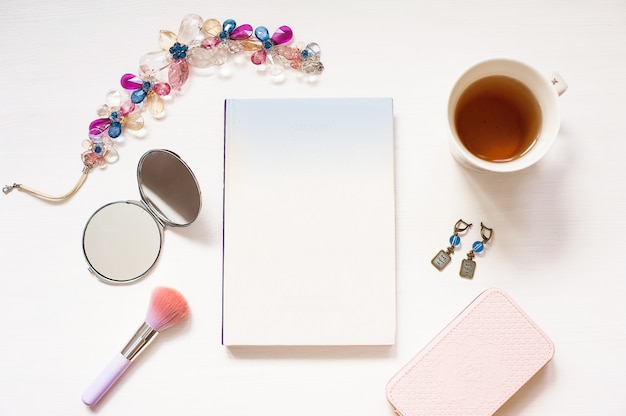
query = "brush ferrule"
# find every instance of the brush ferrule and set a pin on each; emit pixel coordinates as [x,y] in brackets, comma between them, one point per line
[142,338]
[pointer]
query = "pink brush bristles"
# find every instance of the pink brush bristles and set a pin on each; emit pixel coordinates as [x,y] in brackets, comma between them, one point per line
[167,308]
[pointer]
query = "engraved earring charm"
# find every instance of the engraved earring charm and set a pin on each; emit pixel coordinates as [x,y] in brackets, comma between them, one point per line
[442,259]
[468,266]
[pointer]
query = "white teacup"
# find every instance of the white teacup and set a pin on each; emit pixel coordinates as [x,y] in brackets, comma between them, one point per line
[493,128]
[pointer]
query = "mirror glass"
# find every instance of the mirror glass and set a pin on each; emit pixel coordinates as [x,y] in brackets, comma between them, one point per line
[169,188]
[122,240]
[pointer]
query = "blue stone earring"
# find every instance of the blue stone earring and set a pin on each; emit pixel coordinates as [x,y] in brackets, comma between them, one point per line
[468,266]
[442,259]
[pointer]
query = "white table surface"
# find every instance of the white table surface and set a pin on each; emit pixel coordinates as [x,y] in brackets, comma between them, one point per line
[559,225]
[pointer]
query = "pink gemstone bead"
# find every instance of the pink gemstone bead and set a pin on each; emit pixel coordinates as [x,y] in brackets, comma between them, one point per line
[162,89]
[259,57]
[89,158]
[178,73]
[210,42]
[127,108]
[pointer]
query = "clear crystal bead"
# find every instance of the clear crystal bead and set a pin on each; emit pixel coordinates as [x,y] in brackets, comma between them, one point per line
[312,67]
[114,98]
[314,48]
[281,61]
[220,56]
[104,111]
[112,155]
[200,57]
[189,30]
[153,62]
[276,69]
[234,47]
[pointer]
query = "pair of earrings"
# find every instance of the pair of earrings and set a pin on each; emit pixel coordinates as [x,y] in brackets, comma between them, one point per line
[468,266]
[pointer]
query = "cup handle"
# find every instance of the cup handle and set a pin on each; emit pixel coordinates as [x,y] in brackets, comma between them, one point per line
[559,83]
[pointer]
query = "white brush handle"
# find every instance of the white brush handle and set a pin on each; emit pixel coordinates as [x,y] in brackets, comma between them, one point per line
[106,379]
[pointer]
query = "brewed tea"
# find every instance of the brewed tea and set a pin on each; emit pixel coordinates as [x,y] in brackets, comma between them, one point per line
[498,118]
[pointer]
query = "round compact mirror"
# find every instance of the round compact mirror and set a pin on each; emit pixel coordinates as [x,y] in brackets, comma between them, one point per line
[122,240]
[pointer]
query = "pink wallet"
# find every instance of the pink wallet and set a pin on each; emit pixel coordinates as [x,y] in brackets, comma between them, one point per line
[475,364]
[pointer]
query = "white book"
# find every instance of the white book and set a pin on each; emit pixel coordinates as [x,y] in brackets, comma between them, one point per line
[309,222]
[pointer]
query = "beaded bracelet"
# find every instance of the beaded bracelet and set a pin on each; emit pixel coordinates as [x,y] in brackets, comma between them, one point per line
[199,44]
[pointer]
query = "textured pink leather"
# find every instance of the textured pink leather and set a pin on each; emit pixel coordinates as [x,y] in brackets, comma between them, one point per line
[475,364]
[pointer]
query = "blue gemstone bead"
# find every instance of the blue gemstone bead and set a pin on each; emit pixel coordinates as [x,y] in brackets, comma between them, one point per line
[229,25]
[138,96]
[478,247]
[455,240]
[115,130]
[262,33]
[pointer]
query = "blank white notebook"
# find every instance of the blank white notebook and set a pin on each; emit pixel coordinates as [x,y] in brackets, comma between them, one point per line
[309,222]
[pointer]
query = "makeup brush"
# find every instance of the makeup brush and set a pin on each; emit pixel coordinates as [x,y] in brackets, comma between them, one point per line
[167,308]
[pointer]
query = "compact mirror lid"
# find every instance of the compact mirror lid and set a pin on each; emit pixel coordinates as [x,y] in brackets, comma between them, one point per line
[169,188]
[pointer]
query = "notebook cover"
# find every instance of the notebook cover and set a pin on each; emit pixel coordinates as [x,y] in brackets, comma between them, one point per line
[309,222]
[475,364]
